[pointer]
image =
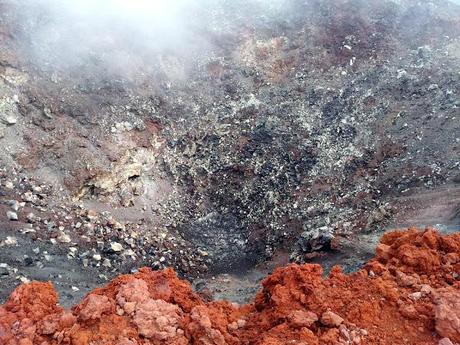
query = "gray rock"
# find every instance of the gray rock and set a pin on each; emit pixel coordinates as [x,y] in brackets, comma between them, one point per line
[64,238]
[14,204]
[10,120]
[316,239]
[11,241]
[116,247]
[4,271]
[12,215]
[31,217]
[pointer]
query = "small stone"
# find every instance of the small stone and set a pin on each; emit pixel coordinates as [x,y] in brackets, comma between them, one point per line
[97,257]
[64,238]
[106,263]
[4,271]
[14,204]
[241,323]
[11,241]
[24,280]
[130,253]
[75,289]
[30,197]
[115,225]
[9,185]
[47,112]
[10,120]
[232,326]
[355,338]
[331,319]
[37,189]
[415,296]
[91,215]
[12,215]
[301,318]
[344,332]
[116,247]
[31,217]
[27,230]
[445,341]
[405,280]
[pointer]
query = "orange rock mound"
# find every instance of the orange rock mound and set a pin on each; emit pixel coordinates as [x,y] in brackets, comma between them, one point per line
[408,294]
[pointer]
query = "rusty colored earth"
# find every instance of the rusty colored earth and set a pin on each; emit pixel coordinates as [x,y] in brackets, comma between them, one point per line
[408,294]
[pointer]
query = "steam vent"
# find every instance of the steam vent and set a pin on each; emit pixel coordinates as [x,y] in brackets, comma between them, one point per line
[230,172]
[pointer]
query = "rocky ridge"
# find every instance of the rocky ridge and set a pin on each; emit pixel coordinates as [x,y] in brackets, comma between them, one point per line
[409,293]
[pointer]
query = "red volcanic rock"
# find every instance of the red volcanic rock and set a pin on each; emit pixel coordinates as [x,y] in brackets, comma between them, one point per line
[94,306]
[406,295]
[448,313]
[132,293]
[331,319]
[158,320]
[302,318]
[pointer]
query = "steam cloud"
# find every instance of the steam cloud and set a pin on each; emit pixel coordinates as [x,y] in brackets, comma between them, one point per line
[110,33]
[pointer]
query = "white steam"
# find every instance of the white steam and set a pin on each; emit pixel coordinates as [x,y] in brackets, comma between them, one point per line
[68,32]
[124,36]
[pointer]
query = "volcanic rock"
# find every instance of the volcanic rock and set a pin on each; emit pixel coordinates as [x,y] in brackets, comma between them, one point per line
[157,306]
[116,247]
[12,215]
[331,319]
[448,313]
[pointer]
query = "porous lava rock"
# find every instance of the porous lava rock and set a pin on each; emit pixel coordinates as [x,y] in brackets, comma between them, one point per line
[408,294]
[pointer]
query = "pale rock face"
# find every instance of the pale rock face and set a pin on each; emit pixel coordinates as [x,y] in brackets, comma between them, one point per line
[131,293]
[157,319]
[202,325]
[49,325]
[94,307]
[448,313]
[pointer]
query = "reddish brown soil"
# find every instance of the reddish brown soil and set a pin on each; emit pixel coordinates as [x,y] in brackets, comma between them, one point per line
[408,294]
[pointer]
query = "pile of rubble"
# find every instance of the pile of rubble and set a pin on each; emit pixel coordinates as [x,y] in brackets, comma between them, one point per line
[293,129]
[408,294]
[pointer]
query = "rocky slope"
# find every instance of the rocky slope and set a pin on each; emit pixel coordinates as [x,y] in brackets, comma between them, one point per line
[408,294]
[285,131]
